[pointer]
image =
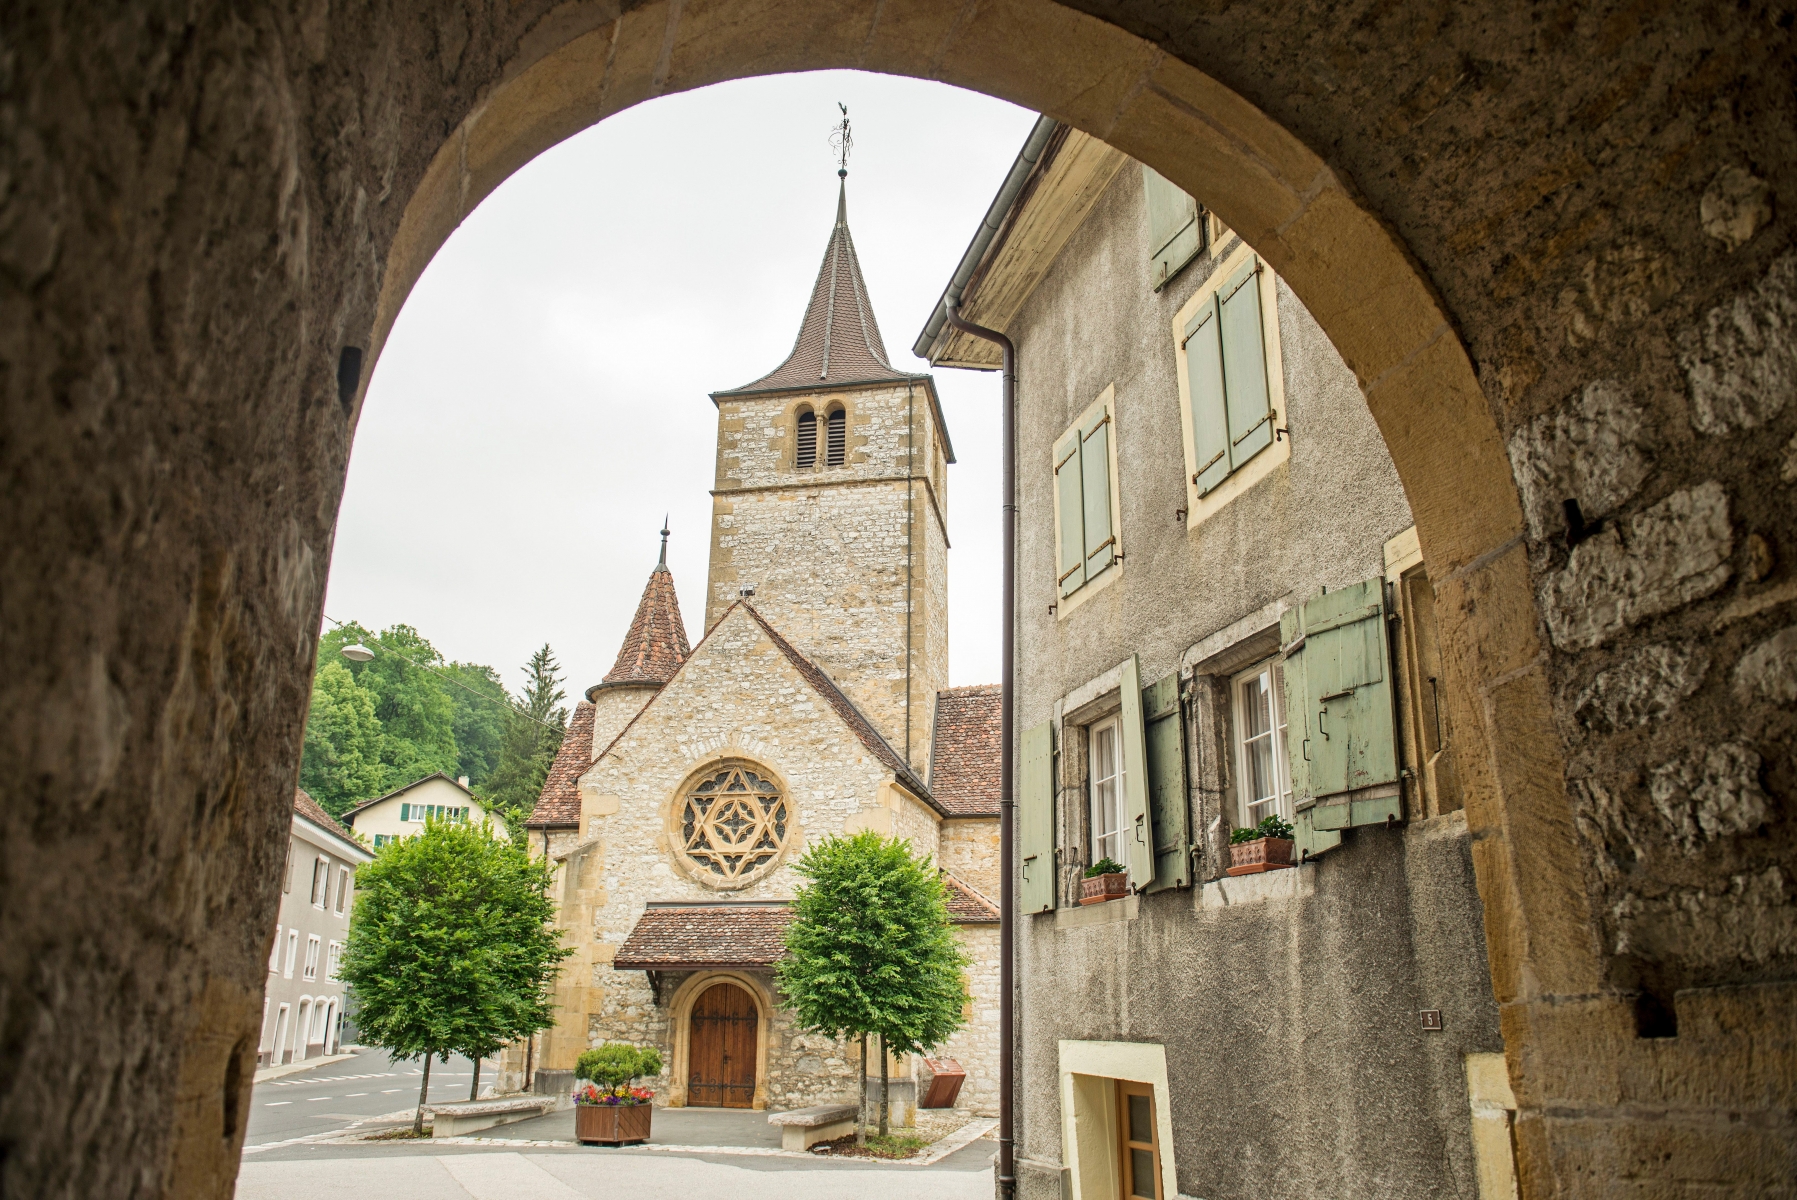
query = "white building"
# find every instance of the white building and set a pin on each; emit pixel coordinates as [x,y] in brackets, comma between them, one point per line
[302,1012]
[402,813]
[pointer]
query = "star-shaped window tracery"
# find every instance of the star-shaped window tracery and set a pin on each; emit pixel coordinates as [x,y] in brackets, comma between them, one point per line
[733,823]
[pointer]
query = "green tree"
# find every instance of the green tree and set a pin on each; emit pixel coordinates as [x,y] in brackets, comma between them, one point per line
[481,704]
[450,946]
[533,735]
[871,951]
[342,761]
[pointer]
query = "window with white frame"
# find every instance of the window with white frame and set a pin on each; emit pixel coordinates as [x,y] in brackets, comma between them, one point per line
[1105,749]
[292,952]
[321,881]
[333,961]
[312,943]
[274,953]
[1263,777]
[342,888]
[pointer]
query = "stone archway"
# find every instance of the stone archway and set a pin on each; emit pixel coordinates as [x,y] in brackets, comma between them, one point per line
[680,1031]
[211,220]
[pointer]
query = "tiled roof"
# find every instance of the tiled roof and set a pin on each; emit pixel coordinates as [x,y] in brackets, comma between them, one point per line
[656,644]
[966,906]
[706,935]
[559,805]
[839,340]
[964,753]
[313,811]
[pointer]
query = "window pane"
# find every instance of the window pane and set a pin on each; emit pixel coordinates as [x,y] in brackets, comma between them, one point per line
[1141,1120]
[1107,821]
[1141,1171]
[1260,778]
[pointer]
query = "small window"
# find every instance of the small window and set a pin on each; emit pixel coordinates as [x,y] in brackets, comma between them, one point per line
[837,446]
[312,942]
[1085,514]
[274,954]
[806,453]
[333,961]
[292,952]
[321,881]
[381,839]
[1263,782]
[342,888]
[287,870]
[1141,1152]
[1106,757]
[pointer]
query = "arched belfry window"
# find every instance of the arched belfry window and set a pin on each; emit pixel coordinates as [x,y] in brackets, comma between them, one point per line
[837,444]
[806,456]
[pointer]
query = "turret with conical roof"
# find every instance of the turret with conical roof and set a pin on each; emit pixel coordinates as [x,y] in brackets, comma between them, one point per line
[829,504]
[656,644]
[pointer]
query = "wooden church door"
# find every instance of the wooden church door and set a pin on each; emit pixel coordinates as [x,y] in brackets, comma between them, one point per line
[721,1048]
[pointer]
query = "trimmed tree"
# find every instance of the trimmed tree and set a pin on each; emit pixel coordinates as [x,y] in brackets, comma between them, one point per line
[871,951]
[450,947]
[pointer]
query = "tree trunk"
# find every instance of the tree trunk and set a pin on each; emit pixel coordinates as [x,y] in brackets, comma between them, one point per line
[424,1091]
[885,1091]
[861,1117]
[474,1088]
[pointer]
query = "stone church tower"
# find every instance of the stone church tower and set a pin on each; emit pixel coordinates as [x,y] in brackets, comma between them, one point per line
[830,504]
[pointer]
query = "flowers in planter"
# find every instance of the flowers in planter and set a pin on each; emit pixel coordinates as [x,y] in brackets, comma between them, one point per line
[1105,866]
[1271,826]
[605,1075]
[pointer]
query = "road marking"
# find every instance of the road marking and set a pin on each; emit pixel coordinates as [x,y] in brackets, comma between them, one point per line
[316,1099]
[389,1091]
[276,1103]
[353,1095]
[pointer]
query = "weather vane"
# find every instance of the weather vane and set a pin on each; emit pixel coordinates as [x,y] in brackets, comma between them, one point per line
[842,142]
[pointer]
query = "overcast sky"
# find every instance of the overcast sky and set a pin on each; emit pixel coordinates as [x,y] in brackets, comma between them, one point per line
[544,397]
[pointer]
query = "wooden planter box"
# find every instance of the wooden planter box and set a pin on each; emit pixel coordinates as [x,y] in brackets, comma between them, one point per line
[1262,854]
[611,1124]
[1100,888]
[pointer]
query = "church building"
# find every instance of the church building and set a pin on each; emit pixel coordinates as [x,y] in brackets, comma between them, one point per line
[693,777]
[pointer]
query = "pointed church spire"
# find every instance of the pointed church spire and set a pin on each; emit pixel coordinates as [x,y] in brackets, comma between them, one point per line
[656,644]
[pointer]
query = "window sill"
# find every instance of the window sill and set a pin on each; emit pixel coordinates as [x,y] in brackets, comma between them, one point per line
[1111,912]
[1268,887]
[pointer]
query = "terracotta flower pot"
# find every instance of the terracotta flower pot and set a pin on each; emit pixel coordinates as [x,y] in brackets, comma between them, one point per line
[611,1124]
[1100,888]
[1262,854]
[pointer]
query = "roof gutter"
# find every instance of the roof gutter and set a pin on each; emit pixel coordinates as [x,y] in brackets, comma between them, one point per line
[1027,158]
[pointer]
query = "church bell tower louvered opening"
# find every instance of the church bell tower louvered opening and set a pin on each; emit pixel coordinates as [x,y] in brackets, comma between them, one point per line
[830,504]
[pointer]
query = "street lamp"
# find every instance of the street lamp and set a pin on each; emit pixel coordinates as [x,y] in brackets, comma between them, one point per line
[357,652]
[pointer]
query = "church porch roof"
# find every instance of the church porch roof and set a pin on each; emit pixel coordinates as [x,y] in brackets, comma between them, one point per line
[700,936]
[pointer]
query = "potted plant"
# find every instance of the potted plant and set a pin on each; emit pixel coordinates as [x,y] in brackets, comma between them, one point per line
[1265,847]
[1105,879]
[608,1110]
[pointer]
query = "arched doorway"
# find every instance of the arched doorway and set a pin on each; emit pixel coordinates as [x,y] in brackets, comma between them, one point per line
[721,1048]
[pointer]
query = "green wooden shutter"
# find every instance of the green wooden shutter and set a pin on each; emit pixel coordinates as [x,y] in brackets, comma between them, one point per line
[1035,819]
[1169,812]
[1295,692]
[1245,366]
[1175,234]
[1353,749]
[1071,509]
[1210,419]
[405,812]
[1095,482]
[1138,823]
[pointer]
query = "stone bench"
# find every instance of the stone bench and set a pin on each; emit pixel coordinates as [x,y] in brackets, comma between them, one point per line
[467,1116]
[803,1128]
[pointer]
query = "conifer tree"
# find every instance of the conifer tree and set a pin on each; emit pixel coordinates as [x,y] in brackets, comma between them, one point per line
[871,951]
[450,946]
[533,735]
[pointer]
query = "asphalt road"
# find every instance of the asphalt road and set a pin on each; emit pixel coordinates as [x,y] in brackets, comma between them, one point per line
[341,1093]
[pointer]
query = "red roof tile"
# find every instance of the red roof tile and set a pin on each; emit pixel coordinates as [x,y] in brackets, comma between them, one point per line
[966,906]
[656,644]
[313,811]
[964,753]
[559,805]
[705,935]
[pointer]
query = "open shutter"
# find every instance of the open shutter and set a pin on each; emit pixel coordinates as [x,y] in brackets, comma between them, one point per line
[1175,235]
[1294,674]
[1168,810]
[1070,511]
[405,812]
[1035,819]
[1095,482]
[1353,749]
[1210,420]
[1245,366]
[1138,824]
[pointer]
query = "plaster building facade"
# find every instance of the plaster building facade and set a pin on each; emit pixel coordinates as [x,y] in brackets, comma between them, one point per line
[1223,616]
[302,1008]
[693,777]
[403,811]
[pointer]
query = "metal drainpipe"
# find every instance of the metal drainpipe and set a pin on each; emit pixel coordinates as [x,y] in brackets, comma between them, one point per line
[1007,803]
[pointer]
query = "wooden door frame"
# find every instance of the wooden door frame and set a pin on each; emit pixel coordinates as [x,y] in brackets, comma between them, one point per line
[680,1013]
[1125,1089]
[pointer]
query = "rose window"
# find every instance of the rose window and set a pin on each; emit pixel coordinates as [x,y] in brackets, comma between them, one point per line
[732,824]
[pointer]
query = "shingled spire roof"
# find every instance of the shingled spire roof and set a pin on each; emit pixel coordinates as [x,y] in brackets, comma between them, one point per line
[656,644]
[839,340]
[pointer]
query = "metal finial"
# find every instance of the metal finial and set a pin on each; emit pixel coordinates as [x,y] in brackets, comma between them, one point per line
[664,541]
[842,141]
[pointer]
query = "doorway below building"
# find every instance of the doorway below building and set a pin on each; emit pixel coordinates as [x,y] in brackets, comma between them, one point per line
[721,1048]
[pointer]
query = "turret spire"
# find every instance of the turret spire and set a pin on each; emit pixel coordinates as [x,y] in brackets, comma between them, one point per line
[656,644]
[663,564]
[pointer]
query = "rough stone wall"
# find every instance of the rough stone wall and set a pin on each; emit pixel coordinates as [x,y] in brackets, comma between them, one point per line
[970,850]
[202,210]
[826,549]
[975,1046]
[613,708]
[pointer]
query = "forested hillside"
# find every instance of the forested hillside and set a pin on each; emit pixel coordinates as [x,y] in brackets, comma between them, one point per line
[375,726]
